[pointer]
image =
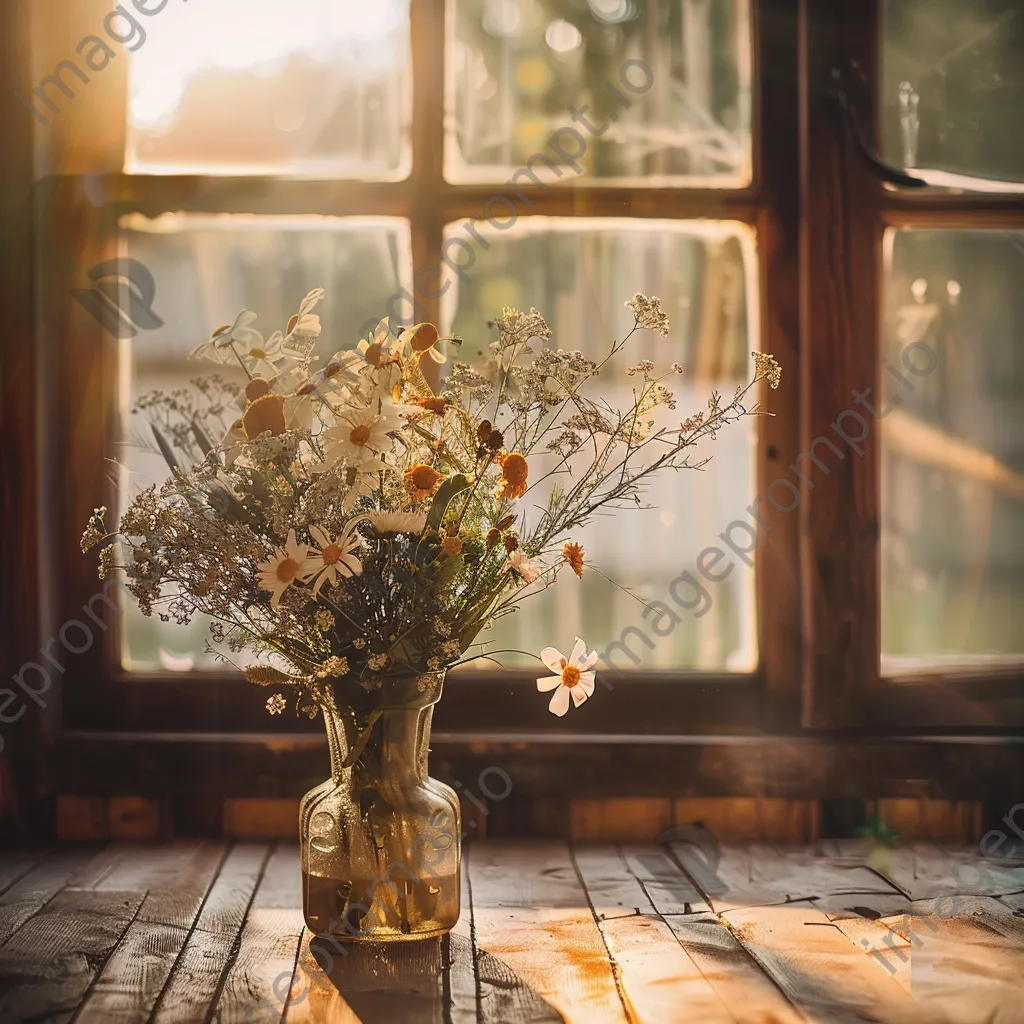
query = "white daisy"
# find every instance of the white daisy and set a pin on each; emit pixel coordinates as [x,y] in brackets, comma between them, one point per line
[333,557]
[262,359]
[360,478]
[398,522]
[522,566]
[359,432]
[574,676]
[218,346]
[286,565]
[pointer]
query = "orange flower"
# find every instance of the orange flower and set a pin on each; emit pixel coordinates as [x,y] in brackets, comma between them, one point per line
[266,413]
[256,388]
[514,471]
[421,339]
[451,546]
[573,554]
[432,404]
[421,481]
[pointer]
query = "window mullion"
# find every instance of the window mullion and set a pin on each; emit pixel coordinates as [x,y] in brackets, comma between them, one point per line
[840,281]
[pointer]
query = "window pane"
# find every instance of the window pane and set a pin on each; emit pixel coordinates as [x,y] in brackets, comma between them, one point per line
[952,90]
[578,273]
[307,87]
[206,269]
[953,469]
[612,89]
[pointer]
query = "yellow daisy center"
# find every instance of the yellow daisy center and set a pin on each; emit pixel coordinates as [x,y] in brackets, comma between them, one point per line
[570,675]
[331,554]
[287,570]
[360,435]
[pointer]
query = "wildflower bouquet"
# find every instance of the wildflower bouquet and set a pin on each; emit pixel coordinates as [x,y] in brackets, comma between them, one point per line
[358,526]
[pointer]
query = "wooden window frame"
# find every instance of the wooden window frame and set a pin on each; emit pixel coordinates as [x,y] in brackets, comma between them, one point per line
[847,210]
[817,572]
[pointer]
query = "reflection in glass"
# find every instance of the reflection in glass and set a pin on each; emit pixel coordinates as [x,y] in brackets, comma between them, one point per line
[206,269]
[953,464]
[311,87]
[655,89]
[578,272]
[952,89]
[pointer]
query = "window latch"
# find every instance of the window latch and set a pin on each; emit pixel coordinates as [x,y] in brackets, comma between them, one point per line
[883,170]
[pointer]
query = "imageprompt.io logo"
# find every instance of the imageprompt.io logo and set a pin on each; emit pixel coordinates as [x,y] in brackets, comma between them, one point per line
[122,301]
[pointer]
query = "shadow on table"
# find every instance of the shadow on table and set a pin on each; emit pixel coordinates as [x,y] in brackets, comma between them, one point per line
[430,982]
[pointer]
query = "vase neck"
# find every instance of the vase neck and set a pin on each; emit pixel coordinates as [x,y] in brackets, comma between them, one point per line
[396,748]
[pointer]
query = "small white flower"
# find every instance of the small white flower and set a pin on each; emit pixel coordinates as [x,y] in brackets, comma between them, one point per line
[286,565]
[573,676]
[398,522]
[360,431]
[277,704]
[333,557]
[219,345]
[522,566]
[648,313]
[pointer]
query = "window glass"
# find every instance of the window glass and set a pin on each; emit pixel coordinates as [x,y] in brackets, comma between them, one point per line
[205,270]
[308,87]
[952,89]
[578,273]
[953,463]
[657,90]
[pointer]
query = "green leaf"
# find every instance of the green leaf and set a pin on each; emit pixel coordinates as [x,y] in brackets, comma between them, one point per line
[450,569]
[445,493]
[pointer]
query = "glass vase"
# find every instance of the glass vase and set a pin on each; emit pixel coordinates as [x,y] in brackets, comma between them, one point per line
[380,839]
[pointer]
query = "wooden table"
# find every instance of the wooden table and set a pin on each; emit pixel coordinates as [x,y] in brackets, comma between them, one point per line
[199,931]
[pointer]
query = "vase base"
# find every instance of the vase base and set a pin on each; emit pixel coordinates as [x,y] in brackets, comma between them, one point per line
[377,938]
[402,910]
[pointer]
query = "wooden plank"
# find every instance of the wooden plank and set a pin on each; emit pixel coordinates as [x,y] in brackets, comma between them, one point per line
[35,889]
[347,983]
[259,977]
[537,939]
[195,981]
[460,956]
[970,967]
[669,889]
[177,877]
[613,889]
[925,871]
[819,968]
[734,976]
[15,864]
[47,966]
[758,874]
[656,974]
